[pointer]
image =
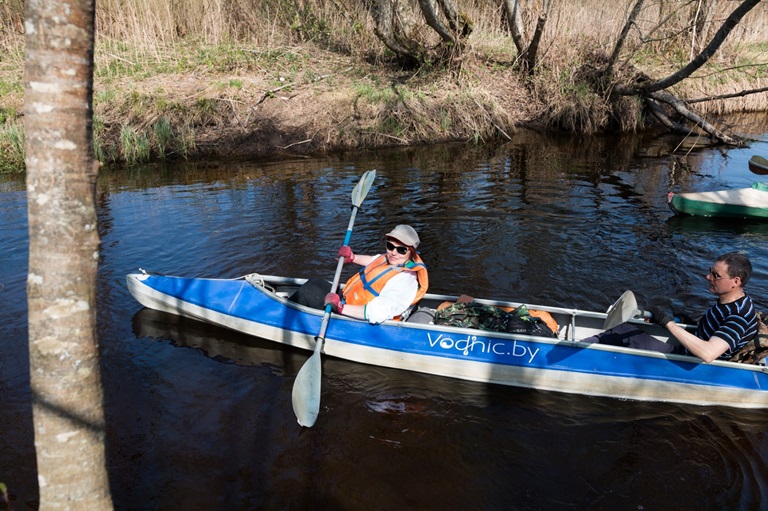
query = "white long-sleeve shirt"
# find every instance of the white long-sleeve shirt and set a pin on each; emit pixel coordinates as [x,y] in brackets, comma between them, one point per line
[394,299]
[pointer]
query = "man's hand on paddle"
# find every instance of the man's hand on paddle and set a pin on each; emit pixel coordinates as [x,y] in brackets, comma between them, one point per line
[660,316]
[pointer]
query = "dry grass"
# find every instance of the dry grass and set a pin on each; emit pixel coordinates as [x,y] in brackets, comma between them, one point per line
[247,77]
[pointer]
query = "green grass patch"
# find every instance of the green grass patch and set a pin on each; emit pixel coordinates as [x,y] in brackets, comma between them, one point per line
[104,149]
[7,88]
[12,150]
[373,93]
[163,136]
[134,145]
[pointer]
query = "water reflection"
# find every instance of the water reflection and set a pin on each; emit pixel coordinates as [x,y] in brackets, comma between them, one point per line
[543,219]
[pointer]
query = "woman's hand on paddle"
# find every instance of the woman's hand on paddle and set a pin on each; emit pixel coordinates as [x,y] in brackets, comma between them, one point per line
[346,253]
[335,301]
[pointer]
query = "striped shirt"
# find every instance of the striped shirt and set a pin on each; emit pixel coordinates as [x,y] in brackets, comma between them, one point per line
[735,323]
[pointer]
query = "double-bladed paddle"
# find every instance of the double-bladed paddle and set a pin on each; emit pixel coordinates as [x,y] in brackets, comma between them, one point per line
[305,396]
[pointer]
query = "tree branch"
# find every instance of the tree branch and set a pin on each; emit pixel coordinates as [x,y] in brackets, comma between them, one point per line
[430,15]
[623,37]
[659,113]
[682,109]
[700,59]
[728,96]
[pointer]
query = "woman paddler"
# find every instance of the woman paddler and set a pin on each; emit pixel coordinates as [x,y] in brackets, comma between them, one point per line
[386,286]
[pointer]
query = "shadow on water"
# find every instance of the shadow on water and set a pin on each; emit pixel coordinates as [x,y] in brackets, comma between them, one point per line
[217,343]
[613,444]
[706,226]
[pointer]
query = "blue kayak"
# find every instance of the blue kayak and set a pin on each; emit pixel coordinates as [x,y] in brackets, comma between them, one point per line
[257,305]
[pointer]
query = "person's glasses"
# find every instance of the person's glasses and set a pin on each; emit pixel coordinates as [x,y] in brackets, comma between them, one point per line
[400,250]
[714,274]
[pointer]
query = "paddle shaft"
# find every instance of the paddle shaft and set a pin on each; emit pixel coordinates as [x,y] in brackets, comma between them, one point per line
[336,278]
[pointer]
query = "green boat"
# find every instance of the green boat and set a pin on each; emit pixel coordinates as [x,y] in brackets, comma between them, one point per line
[741,203]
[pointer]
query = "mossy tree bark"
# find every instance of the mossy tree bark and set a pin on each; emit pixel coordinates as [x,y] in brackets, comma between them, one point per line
[68,414]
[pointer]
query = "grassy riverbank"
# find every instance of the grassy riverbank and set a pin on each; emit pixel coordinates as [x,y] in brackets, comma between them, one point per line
[220,78]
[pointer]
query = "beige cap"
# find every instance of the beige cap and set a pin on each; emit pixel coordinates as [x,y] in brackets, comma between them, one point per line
[406,235]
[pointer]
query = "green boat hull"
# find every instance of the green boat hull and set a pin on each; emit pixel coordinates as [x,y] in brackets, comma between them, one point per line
[742,203]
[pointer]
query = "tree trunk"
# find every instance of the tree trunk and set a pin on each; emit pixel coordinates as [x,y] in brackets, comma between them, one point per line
[67,396]
[457,22]
[433,20]
[527,51]
[387,30]
[403,35]
[531,54]
[512,10]
[705,10]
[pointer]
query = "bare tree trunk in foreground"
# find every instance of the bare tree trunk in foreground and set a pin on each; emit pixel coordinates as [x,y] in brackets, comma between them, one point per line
[63,255]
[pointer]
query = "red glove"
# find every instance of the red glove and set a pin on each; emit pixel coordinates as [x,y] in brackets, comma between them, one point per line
[335,301]
[346,253]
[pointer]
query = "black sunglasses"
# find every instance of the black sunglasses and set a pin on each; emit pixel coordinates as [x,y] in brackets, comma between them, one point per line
[714,274]
[400,250]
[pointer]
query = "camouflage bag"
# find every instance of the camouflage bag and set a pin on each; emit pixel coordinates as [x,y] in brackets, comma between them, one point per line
[488,317]
[472,315]
[756,350]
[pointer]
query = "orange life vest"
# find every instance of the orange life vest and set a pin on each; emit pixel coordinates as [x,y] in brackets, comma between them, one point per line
[365,285]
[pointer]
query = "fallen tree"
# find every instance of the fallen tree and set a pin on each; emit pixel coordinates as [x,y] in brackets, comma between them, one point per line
[664,105]
[614,86]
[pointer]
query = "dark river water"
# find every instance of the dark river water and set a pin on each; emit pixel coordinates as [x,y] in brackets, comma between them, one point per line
[200,418]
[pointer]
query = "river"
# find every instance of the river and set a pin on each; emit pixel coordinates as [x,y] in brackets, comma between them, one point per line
[200,418]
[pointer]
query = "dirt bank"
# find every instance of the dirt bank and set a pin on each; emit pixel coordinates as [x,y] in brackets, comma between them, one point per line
[241,103]
[330,105]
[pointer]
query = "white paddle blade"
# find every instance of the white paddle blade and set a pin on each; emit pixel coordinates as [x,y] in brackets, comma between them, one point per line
[624,309]
[362,187]
[305,396]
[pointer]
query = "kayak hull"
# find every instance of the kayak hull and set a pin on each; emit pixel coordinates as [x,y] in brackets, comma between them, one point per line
[257,305]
